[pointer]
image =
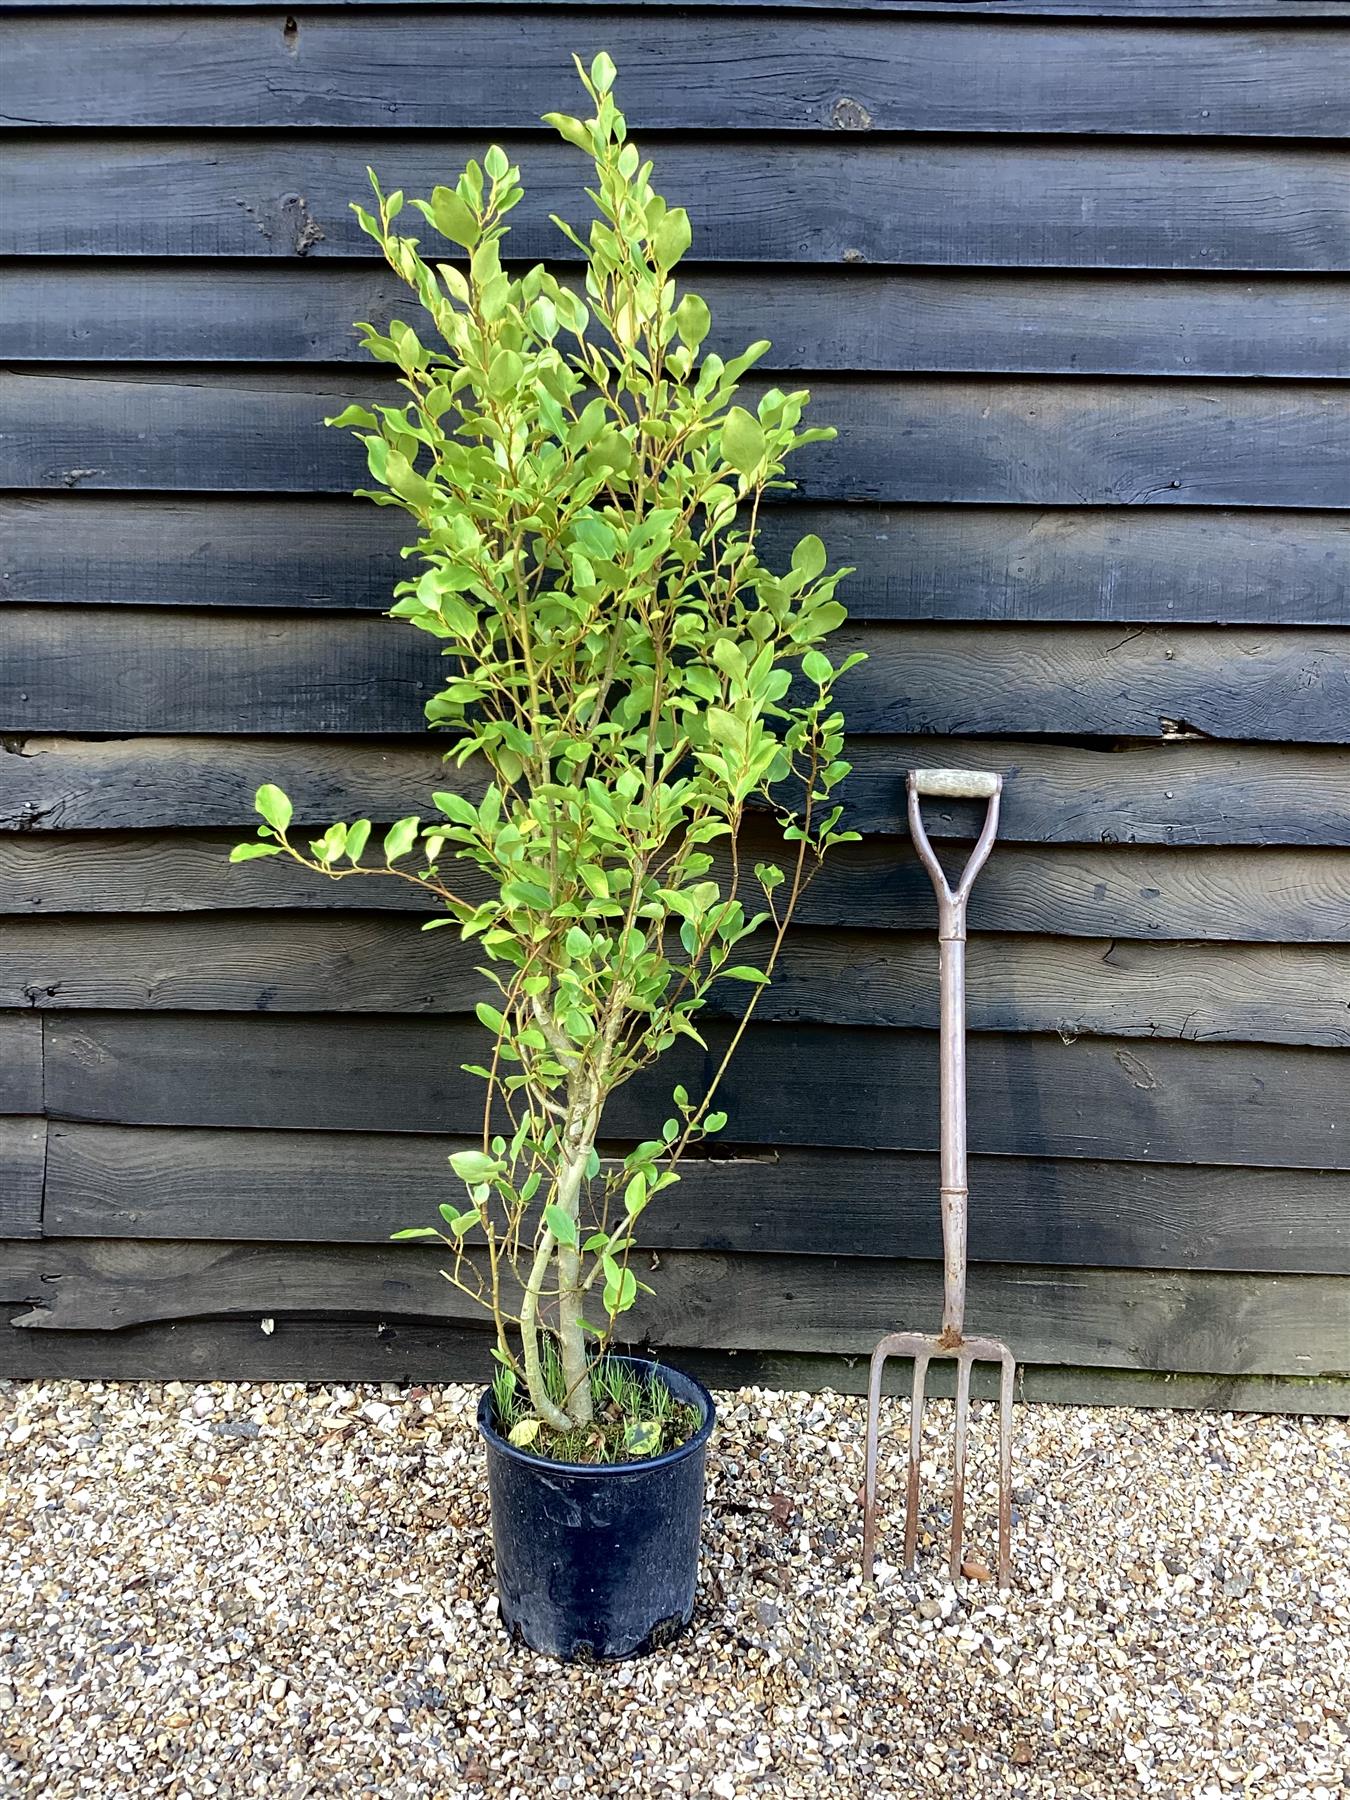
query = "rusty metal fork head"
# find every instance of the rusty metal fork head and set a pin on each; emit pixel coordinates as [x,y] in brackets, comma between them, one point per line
[924,1347]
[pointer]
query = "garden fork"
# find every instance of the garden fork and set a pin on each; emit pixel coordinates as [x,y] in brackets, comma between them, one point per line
[952,784]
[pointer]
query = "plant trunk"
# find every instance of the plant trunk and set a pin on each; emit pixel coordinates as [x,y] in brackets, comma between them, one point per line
[577,1409]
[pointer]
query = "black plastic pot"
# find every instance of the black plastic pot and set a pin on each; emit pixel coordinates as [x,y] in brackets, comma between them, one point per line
[598,1562]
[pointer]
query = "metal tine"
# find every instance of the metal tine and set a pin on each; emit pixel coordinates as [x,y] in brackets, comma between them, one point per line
[915,1450]
[1005,1406]
[954,1557]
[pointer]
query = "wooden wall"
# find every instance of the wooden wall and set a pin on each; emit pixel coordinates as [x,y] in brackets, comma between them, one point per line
[1071,278]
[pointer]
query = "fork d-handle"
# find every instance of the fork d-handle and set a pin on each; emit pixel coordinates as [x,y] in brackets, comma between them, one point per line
[953,784]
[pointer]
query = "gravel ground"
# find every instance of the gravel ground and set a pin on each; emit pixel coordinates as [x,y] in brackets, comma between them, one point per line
[285,1590]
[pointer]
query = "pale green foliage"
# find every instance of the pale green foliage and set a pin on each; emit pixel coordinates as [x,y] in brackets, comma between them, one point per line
[587,492]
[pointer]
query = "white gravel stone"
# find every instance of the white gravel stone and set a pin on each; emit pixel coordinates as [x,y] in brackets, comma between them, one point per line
[302,1606]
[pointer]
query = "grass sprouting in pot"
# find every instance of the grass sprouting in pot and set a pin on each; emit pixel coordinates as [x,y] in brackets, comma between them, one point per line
[633,1416]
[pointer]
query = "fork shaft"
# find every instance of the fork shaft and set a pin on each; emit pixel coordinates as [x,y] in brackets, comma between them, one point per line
[954,1190]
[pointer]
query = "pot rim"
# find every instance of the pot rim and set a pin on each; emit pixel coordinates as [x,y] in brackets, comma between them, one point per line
[607,1471]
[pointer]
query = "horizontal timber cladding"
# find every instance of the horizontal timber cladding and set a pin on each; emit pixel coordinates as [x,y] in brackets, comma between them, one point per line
[121,670]
[1181,793]
[1202,1322]
[713,72]
[981,202]
[1263,895]
[1070,278]
[319,1347]
[108,1181]
[1160,565]
[1097,1097]
[1016,321]
[1283,994]
[1044,443]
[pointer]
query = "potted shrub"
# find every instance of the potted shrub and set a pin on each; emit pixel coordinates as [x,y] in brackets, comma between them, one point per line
[628,679]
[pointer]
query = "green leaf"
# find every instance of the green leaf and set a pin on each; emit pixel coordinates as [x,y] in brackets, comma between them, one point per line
[357,838]
[742,972]
[742,441]
[817,667]
[489,1016]
[692,321]
[273,805]
[413,1231]
[452,218]
[603,73]
[643,1438]
[714,1121]
[524,1432]
[400,839]
[635,1195]
[673,237]
[808,558]
[249,852]
[561,1223]
[473,1166]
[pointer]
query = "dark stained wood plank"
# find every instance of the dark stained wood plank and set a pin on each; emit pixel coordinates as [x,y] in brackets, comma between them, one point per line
[1083,680]
[905,321]
[1252,895]
[367,964]
[122,1182]
[324,1349]
[1198,1322]
[20,1063]
[1080,9]
[124,669]
[1178,792]
[1137,565]
[868,198]
[1272,1107]
[23,1153]
[1048,443]
[715,71]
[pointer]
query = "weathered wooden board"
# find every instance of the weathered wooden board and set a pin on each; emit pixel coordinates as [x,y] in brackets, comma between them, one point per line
[869,199]
[1257,896]
[124,669]
[106,1181]
[1279,994]
[1180,792]
[1138,565]
[1082,9]
[1200,1322]
[715,71]
[1273,1107]
[23,1151]
[910,321]
[20,1063]
[1048,443]
[325,1349]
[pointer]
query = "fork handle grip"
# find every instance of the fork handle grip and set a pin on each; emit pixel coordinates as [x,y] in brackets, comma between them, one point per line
[956,784]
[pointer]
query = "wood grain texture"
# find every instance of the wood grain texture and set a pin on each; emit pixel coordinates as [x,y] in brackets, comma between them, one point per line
[715,71]
[98,669]
[327,1348]
[23,1153]
[364,964]
[107,1181]
[1077,9]
[1182,792]
[847,319]
[20,1064]
[1199,1322]
[1100,1098]
[866,199]
[930,441]
[1221,895]
[1136,565]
